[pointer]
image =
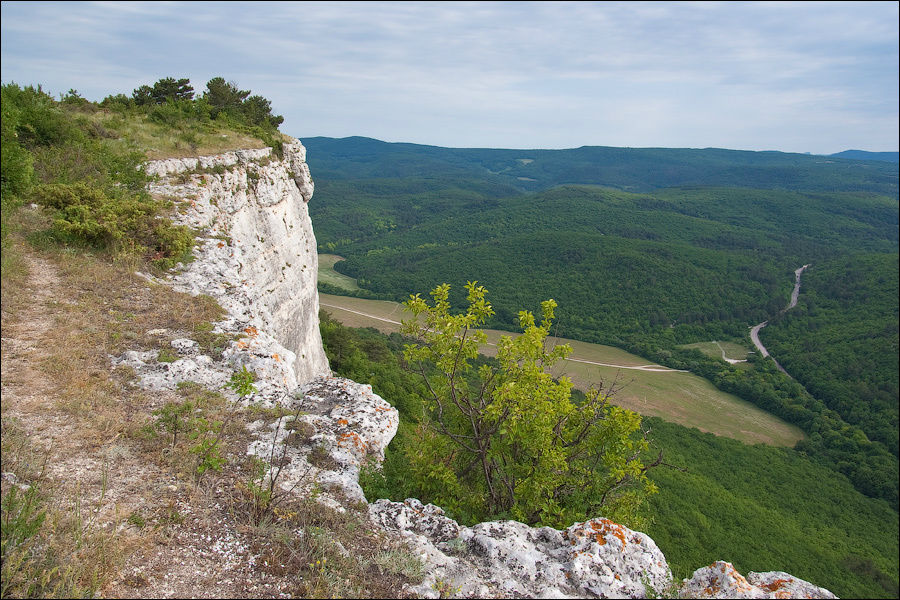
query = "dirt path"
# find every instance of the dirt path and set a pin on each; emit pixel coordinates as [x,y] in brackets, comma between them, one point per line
[27,393]
[193,544]
[652,368]
[730,361]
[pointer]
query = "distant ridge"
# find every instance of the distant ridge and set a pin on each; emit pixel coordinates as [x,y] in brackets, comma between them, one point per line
[863,155]
[630,169]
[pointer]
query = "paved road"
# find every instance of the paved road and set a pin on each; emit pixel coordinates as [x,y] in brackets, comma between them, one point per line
[754,331]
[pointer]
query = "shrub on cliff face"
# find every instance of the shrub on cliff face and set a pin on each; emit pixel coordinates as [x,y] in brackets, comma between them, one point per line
[509,441]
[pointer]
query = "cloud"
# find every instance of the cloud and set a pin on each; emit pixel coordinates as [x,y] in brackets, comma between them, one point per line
[499,74]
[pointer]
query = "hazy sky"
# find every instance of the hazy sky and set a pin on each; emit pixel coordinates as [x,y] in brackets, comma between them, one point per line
[798,77]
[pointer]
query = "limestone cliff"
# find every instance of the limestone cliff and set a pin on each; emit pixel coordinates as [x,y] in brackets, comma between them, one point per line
[257,255]
[257,258]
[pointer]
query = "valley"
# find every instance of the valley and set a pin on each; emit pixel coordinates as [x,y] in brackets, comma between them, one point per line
[675,395]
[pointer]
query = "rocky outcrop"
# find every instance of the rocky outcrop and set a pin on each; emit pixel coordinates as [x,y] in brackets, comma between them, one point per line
[339,425]
[721,580]
[257,253]
[508,559]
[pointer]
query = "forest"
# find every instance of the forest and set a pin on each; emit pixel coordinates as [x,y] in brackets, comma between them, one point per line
[756,506]
[702,249]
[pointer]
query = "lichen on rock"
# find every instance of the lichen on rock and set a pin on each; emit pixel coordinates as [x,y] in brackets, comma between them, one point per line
[722,580]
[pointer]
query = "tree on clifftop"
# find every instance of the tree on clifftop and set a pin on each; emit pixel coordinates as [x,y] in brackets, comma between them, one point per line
[167,88]
[224,96]
[509,439]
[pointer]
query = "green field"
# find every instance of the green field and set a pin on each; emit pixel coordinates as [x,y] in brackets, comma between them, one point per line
[716,349]
[327,274]
[676,396]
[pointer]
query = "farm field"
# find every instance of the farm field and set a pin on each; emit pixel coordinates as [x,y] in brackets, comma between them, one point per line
[327,274]
[716,349]
[676,396]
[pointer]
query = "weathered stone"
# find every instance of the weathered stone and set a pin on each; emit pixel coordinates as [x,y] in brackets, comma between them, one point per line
[783,585]
[596,558]
[722,580]
[173,166]
[343,425]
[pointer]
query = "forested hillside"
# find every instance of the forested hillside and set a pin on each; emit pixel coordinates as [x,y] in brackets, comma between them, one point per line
[756,506]
[633,169]
[701,247]
[841,341]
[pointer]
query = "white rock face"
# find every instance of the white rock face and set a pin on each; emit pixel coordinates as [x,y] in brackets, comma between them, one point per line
[596,558]
[342,426]
[721,580]
[171,166]
[257,255]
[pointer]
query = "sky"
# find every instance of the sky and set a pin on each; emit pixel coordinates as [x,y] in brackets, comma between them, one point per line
[789,76]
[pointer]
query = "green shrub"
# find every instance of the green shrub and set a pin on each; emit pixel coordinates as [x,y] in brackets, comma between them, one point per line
[86,214]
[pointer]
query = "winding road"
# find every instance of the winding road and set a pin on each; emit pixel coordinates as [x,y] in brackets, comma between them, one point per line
[754,331]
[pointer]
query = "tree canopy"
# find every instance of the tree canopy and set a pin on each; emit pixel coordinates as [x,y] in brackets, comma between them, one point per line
[508,439]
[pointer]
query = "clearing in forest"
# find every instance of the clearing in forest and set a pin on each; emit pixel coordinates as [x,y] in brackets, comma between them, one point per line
[649,389]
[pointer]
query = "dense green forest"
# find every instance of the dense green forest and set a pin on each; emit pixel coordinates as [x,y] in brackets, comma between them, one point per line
[647,271]
[761,508]
[633,169]
[848,309]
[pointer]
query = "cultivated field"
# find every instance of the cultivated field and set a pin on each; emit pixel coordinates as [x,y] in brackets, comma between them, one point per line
[715,349]
[676,396]
[327,274]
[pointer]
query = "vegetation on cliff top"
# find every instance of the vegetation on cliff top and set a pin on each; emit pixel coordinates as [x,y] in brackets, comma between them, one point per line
[105,485]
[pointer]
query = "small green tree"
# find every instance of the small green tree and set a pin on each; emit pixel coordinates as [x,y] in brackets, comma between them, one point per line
[510,434]
[224,96]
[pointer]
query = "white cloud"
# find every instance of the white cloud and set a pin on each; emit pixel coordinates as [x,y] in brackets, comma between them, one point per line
[798,76]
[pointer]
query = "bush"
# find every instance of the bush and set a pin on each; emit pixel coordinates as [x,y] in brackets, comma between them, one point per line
[86,214]
[507,440]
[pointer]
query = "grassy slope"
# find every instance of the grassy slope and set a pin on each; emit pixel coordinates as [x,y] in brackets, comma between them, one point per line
[679,397]
[115,502]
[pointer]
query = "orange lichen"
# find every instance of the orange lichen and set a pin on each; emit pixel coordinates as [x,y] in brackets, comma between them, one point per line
[220,245]
[276,357]
[343,421]
[775,585]
[352,438]
[604,527]
[251,331]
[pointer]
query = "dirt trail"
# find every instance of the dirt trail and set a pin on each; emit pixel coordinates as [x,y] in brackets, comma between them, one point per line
[573,358]
[27,393]
[107,476]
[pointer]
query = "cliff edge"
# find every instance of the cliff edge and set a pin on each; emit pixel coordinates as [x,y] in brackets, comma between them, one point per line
[257,257]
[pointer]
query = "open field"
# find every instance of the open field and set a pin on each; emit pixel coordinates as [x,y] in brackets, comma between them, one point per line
[732,350]
[327,274]
[676,396]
